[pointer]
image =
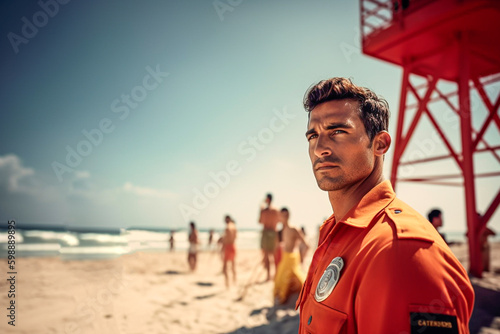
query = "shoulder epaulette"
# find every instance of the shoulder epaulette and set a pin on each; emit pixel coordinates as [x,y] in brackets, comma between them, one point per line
[409,224]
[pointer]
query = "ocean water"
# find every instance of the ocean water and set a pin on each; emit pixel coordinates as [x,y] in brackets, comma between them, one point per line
[70,245]
[97,245]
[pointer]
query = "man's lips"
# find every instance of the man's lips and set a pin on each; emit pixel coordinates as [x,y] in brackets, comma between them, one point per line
[325,166]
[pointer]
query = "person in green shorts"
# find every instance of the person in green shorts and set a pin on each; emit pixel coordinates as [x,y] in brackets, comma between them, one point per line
[269,218]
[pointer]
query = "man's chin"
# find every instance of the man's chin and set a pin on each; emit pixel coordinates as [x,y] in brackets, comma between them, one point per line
[328,185]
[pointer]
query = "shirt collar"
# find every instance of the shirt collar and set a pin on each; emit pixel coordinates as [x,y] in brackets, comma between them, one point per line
[374,201]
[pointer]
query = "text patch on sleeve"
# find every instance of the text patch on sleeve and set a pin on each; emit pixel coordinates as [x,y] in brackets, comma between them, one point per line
[430,323]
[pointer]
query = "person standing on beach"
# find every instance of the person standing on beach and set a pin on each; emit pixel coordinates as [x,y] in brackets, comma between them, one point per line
[269,218]
[229,249]
[379,267]
[172,240]
[210,239]
[193,246]
[484,233]
[303,247]
[436,219]
[289,276]
[485,246]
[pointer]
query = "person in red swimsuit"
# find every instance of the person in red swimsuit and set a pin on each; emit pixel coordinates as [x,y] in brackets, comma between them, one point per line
[380,267]
[229,248]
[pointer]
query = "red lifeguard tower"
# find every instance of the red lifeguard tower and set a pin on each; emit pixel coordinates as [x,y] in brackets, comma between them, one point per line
[443,44]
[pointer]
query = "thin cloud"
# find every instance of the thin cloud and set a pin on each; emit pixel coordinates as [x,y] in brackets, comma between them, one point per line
[14,177]
[82,201]
[148,192]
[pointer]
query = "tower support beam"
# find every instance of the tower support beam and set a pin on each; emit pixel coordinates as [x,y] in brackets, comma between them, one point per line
[468,159]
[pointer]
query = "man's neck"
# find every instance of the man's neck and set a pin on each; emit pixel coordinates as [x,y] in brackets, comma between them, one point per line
[344,199]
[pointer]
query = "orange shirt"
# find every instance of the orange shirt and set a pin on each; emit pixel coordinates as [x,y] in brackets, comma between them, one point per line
[398,275]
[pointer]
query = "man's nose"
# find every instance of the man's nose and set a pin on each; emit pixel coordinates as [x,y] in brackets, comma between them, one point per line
[321,148]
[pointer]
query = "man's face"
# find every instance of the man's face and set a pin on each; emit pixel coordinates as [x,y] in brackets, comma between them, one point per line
[284,216]
[339,147]
[437,221]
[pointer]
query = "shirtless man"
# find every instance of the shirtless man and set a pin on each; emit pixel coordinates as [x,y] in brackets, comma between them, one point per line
[289,277]
[291,234]
[269,218]
[302,246]
[436,219]
[229,248]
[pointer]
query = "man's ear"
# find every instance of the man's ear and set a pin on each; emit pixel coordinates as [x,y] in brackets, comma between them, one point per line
[381,143]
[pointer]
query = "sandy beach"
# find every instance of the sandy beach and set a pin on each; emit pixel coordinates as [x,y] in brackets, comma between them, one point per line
[155,293]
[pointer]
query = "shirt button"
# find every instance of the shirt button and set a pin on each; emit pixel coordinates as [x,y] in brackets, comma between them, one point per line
[310,320]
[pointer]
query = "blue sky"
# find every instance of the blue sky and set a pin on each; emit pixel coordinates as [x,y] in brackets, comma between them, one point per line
[179,98]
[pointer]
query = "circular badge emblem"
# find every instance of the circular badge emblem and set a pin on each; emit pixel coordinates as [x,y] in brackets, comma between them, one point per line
[329,279]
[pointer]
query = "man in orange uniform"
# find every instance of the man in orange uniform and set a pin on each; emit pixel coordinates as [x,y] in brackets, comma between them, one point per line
[380,267]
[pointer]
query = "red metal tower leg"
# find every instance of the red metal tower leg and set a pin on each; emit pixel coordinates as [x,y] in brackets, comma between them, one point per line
[475,266]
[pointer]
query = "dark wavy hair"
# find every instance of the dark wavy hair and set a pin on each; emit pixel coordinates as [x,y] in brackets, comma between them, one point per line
[373,110]
[433,214]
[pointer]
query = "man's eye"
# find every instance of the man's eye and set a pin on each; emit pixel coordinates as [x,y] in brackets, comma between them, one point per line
[312,137]
[336,132]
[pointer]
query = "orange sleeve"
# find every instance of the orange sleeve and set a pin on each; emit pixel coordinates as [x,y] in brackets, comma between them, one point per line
[411,277]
